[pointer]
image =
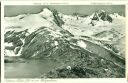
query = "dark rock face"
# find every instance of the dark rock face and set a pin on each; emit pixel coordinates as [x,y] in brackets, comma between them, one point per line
[102,15]
[57,19]
[42,43]
[87,65]
[16,39]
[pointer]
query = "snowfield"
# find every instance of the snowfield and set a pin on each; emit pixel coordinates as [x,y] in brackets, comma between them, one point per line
[97,29]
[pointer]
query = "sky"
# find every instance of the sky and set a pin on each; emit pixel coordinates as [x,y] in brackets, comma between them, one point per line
[13,10]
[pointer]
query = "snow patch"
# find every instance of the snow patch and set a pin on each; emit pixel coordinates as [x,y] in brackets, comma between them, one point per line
[56,43]
[81,44]
[46,13]
[35,54]
[9,53]
[8,44]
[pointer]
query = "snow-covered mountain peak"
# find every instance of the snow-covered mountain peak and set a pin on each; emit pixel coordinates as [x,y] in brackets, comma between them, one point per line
[55,20]
[101,16]
[101,11]
[116,16]
[46,12]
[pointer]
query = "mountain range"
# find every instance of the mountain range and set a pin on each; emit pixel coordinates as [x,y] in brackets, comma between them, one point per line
[92,45]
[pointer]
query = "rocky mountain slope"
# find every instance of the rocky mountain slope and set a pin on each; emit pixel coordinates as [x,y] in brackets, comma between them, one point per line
[88,46]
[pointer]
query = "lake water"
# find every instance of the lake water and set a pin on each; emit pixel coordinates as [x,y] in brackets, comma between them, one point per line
[29,69]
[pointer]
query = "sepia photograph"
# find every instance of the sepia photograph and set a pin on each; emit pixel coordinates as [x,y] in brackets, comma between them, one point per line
[64,41]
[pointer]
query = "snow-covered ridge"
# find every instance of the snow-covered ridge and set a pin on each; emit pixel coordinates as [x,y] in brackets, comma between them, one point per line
[80,26]
[98,25]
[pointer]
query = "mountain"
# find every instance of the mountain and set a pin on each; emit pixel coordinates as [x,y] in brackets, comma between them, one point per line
[101,15]
[68,39]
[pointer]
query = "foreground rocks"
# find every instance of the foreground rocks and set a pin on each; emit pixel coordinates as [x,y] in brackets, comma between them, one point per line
[88,67]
